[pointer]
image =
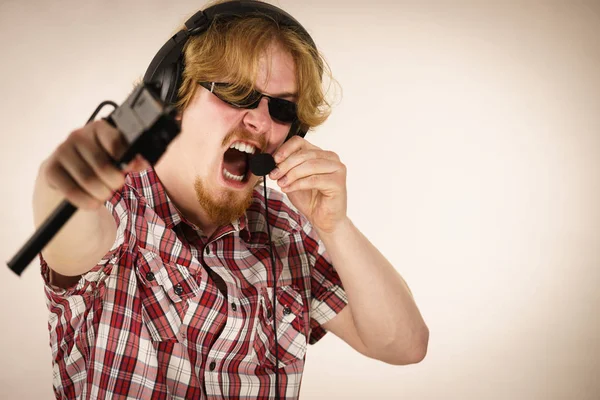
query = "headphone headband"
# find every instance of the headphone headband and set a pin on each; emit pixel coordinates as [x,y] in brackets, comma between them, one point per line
[200,21]
[166,69]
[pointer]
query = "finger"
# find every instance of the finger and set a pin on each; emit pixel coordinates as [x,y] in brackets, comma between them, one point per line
[110,139]
[325,183]
[114,143]
[100,162]
[290,147]
[292,161]
[300,157]
[79,170]
[59,179]
[139,163]
[313,166]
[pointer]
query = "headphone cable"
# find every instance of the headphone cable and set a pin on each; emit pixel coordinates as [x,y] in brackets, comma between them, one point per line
[274,290]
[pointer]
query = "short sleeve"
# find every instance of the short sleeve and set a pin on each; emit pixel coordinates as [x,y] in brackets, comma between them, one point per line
[328,295]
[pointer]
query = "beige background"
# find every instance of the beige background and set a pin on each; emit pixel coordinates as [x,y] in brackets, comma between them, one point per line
[471,132]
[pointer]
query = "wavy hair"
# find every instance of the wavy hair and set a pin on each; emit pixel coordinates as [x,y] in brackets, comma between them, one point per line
[230,50]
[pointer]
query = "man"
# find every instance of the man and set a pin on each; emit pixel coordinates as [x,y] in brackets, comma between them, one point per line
[160,285]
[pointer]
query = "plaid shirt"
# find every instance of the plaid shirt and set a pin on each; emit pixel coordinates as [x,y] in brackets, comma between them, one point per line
[168,313]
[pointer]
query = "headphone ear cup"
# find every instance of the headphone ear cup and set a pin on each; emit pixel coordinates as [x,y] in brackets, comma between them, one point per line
[175,81]
[168,80]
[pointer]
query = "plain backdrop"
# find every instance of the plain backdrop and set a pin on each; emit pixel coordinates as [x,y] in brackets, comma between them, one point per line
[471,134]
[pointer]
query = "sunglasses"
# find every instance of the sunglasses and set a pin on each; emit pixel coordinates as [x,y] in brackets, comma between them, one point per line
[279,109]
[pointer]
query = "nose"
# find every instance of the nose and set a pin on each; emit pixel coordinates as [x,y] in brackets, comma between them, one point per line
[258,120]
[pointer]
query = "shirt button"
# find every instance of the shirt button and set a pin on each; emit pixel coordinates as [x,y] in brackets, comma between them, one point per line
[233,307]
[178,289]
[150,276]
[286,310]
[207,250]
[269,313]
[212,366]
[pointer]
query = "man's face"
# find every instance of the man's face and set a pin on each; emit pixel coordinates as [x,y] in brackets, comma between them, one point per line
[219,175]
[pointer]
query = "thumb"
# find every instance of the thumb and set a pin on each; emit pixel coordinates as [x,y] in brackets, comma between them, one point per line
[138,164]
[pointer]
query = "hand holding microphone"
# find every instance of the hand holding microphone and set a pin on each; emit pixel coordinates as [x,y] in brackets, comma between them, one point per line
[82,170]
[86,167]
[313,179]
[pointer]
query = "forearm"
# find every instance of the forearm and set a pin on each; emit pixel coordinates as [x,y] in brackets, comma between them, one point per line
[82,241]
[383,308]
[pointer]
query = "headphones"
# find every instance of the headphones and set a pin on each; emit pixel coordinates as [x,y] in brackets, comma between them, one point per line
[166,69]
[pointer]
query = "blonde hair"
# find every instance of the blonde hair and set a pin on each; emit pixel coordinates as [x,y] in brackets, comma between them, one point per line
[230,50]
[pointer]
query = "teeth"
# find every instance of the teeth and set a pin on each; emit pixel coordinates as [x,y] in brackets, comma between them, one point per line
[229,175]
[243,147]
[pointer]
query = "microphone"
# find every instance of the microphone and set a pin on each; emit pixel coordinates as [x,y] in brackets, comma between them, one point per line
[261,164]
[147,124]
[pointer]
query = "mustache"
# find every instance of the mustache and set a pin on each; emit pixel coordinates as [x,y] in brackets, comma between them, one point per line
[245,135]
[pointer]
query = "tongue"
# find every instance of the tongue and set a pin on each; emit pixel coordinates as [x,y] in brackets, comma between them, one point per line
[235,162]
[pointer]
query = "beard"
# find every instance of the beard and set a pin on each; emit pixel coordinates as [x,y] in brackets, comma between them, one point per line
[229,205]
[225,208]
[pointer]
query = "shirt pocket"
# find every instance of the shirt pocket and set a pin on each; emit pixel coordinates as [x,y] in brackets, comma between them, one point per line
[291,328]
[162,309]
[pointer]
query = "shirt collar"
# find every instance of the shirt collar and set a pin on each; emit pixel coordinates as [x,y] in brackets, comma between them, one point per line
[158,199]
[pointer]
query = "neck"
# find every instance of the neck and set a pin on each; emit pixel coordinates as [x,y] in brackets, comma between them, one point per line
[180,192]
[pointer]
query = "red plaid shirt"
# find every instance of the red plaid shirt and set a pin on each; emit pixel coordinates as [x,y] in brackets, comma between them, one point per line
[150,322]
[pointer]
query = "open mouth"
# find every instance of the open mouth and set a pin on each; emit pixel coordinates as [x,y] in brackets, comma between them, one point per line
[236,162]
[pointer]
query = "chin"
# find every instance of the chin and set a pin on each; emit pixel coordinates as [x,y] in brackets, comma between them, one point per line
[225,202]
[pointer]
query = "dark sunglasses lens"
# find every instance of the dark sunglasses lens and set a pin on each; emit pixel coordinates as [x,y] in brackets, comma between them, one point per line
[279,109]
[250,101]
[282,110]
